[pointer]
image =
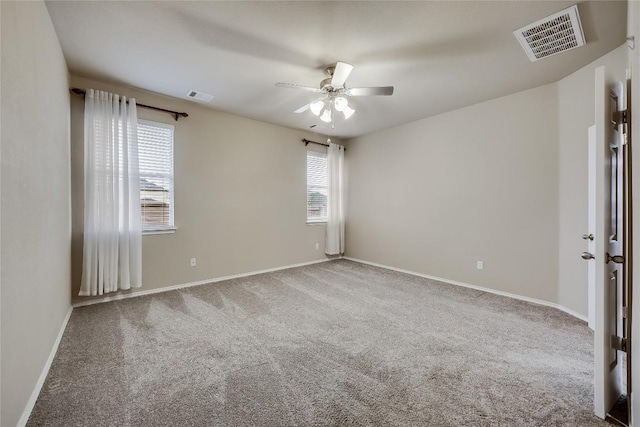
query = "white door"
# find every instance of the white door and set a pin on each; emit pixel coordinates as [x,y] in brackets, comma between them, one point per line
[609,242]
[591,227]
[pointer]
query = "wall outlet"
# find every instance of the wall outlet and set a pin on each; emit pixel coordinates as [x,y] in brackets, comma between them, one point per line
[317,246]
[480,265]
[193,262]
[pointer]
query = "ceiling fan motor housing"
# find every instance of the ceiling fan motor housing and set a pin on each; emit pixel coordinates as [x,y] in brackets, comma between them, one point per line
[327,86]
[326,83]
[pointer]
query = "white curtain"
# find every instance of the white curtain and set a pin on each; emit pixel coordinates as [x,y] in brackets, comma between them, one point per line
[334,244]
[112,219]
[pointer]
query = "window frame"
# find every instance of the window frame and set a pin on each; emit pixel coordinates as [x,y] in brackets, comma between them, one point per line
[312,221]
[163,229]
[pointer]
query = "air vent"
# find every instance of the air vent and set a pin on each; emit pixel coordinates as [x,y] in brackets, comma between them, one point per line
[552,35]
[199,96]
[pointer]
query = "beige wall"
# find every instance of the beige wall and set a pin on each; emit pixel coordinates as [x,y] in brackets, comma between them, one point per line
[240,190]
[443,199]
[35,199]
[576,109]
[480,183]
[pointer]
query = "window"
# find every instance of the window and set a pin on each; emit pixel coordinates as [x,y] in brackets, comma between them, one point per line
[155,150]
[317,187]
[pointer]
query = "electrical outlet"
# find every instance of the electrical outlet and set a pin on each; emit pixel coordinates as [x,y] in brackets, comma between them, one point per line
[317,246]
[480,265]
[193,262]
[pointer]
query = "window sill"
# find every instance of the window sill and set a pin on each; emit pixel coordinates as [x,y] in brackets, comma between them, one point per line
[318,222]
[168,230]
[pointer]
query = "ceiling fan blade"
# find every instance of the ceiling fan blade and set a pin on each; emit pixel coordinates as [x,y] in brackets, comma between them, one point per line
[341,73]
[293,86]
[302,109]
[370,91]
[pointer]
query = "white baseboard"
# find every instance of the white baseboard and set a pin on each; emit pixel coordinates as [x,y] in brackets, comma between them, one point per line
[190,284]
[479,288]
[43,375]
[571,312]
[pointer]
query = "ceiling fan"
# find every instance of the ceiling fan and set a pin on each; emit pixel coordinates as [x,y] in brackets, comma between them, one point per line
[334,93]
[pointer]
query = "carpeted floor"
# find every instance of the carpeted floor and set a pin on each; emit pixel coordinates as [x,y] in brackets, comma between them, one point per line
[332,344]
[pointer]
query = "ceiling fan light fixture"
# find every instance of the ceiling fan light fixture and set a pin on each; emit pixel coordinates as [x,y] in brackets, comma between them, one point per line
[348,112]
[335,95]
[341,103]
[316,107]
[326,116]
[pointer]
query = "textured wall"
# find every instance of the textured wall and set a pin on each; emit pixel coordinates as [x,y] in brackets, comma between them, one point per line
[480,183]
[36,229]
[240,192]
[443,154]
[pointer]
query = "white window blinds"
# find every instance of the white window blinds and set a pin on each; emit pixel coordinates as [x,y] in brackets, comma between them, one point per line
[155,150]
[317,187]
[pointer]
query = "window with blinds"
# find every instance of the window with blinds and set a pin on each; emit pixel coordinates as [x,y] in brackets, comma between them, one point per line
[155,150]
[317,187]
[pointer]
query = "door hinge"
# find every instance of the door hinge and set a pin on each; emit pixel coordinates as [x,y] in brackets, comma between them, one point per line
[618,259]
[619,343]
[620,122]
[625,312]
[619,118]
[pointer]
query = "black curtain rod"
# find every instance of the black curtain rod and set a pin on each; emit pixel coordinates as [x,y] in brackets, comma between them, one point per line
[307,142]
[175,114]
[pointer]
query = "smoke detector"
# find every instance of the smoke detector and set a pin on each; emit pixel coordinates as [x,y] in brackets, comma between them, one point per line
[552,35]
[200,96]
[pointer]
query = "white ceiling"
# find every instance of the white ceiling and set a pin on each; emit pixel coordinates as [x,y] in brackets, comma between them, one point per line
[439,55]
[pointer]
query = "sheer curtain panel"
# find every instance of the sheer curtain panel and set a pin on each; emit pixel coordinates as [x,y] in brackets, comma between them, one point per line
[334,244]
[112,221]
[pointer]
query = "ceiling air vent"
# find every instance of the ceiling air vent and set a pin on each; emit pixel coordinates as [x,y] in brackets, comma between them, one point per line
[199,96]
[554,34]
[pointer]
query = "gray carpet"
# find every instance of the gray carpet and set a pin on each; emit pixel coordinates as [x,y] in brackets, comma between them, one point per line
[331,344]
